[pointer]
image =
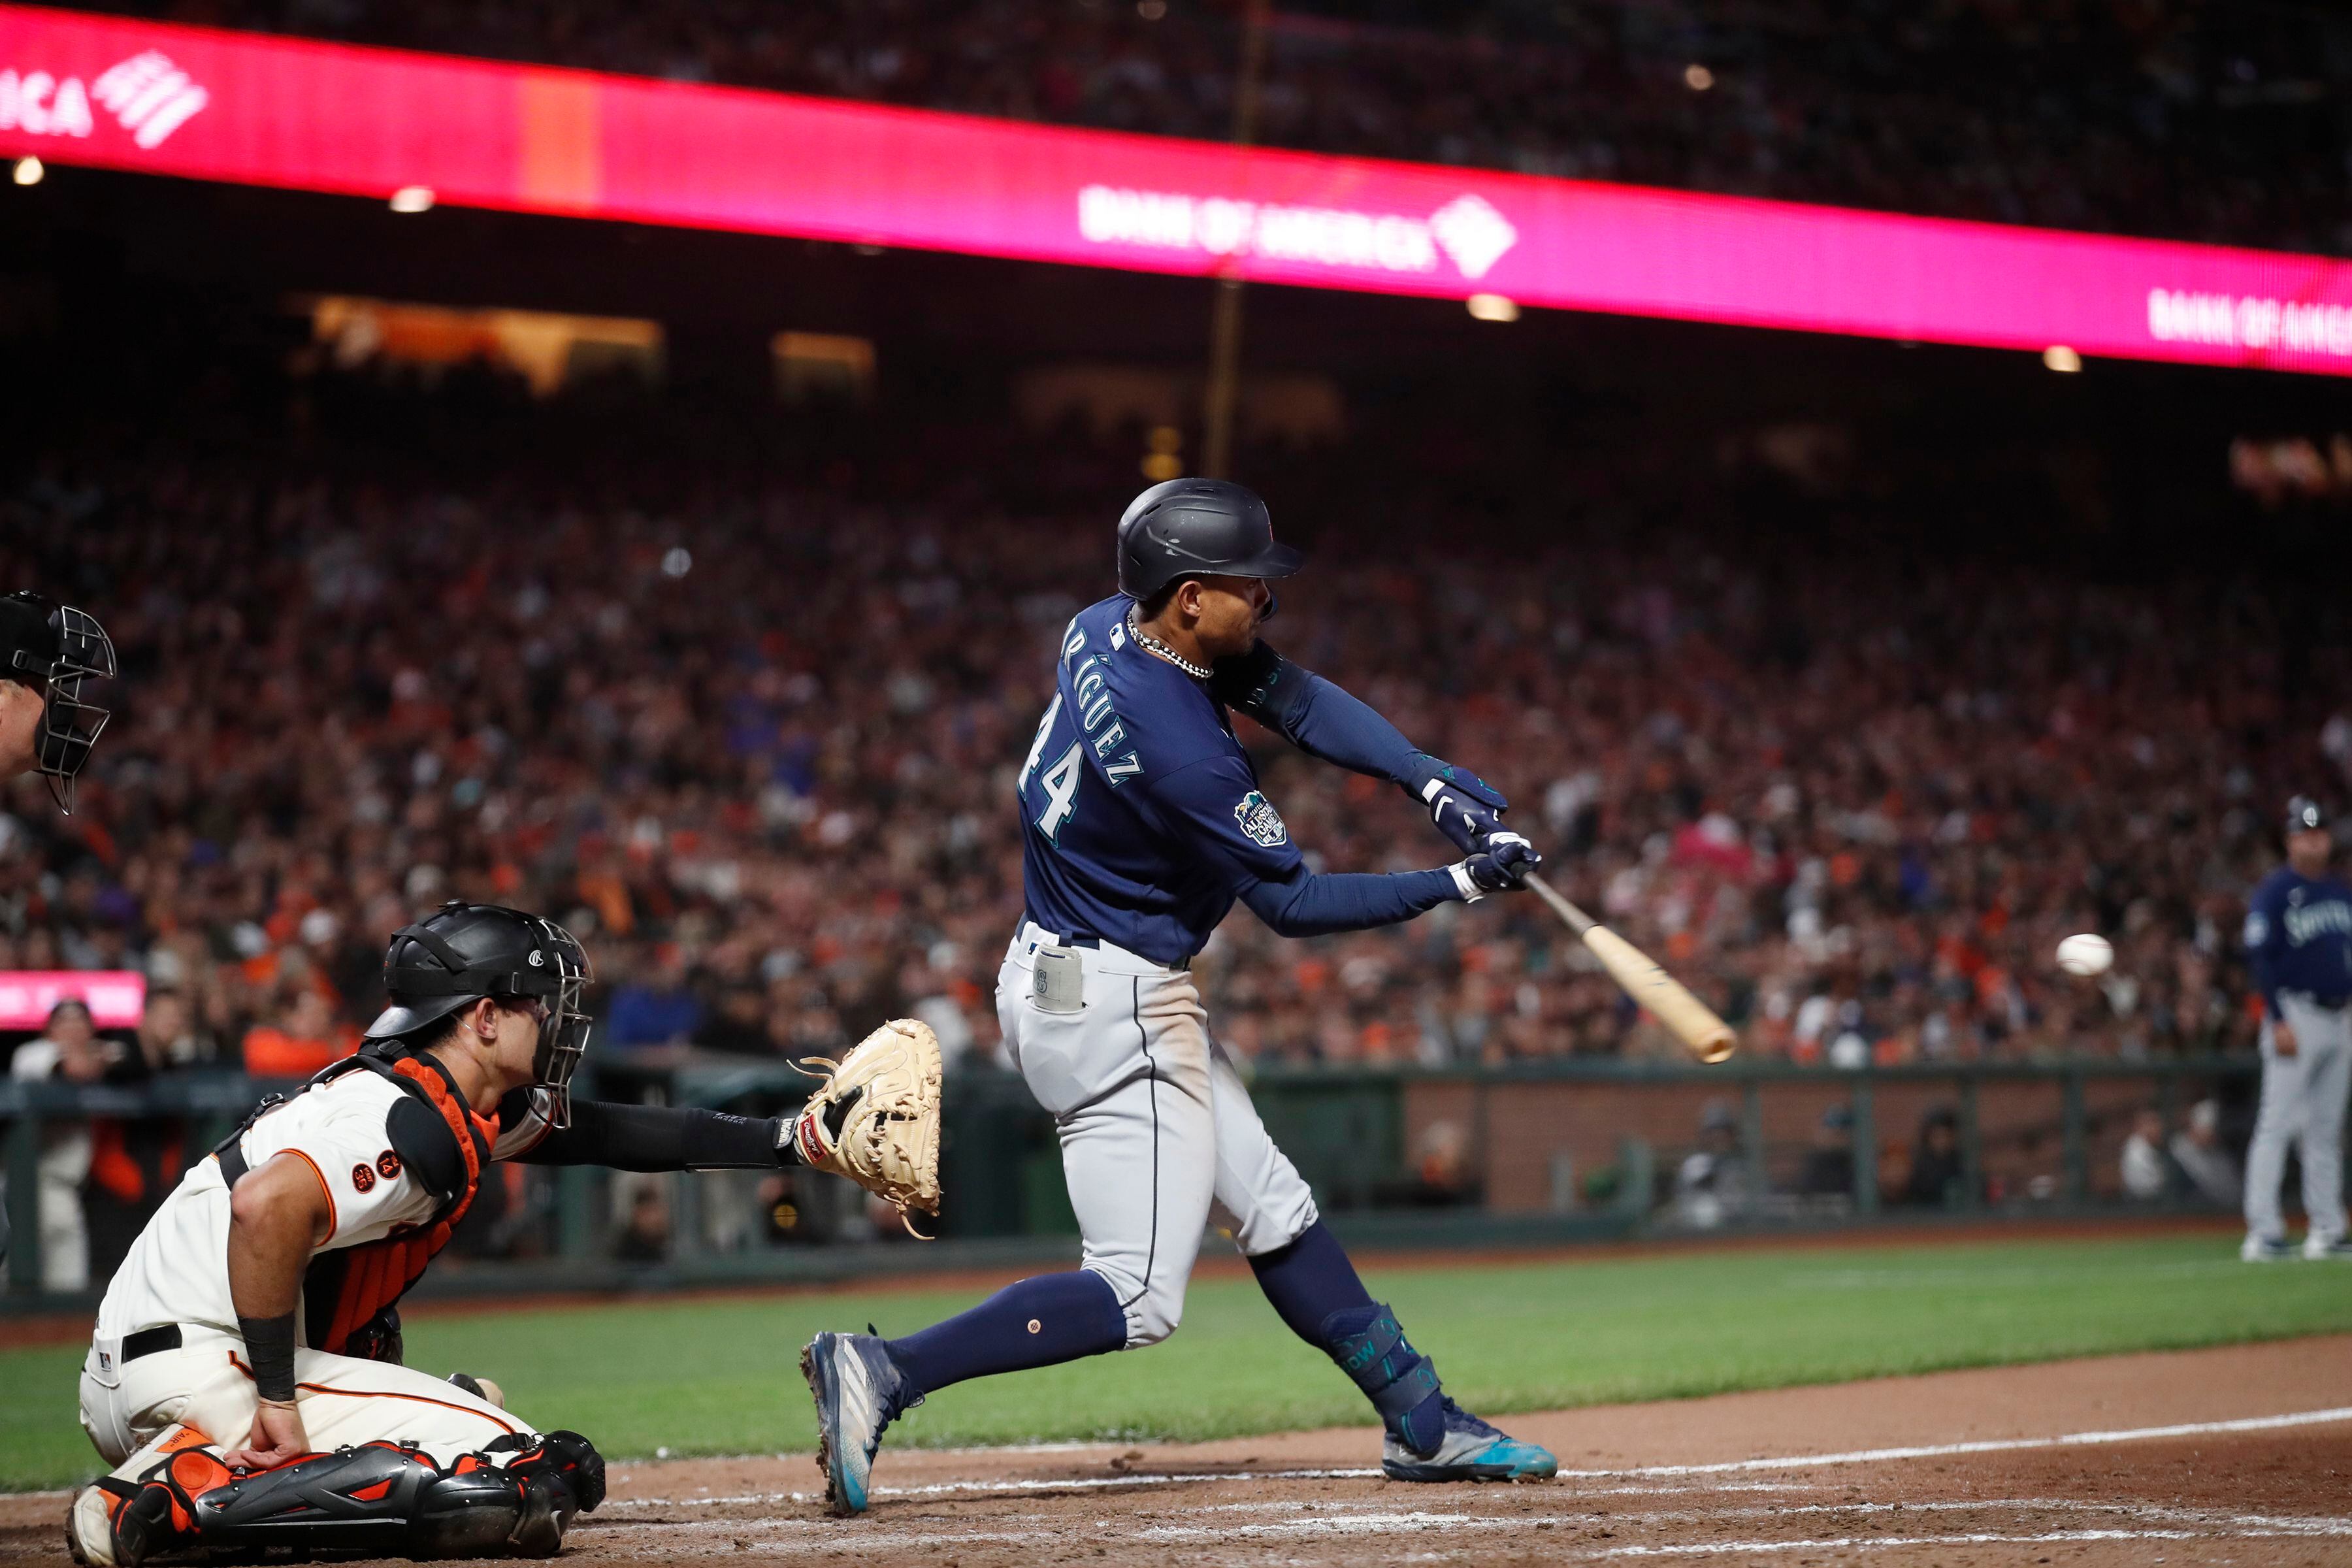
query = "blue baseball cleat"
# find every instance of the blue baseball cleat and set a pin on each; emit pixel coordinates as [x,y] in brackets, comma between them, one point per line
[858,1392]
[1471,1451]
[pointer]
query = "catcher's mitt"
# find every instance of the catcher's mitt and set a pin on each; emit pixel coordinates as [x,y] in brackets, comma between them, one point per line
[877,1120]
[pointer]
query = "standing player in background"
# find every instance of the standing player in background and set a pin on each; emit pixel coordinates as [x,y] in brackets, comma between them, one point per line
[2299,943]
[1144,824]
[46,651]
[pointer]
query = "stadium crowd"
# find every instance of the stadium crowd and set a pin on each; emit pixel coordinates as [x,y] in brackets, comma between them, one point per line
[755,744]
[2192,119]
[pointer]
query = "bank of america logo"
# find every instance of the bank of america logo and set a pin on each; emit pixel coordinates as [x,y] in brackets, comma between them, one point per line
[1468,231]
[1473,233]
[151,96]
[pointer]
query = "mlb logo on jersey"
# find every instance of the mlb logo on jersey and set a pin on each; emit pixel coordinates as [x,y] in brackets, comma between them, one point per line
[1259,820]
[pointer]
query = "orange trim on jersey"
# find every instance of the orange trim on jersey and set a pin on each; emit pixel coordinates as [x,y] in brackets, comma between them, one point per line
[375,1393]
[332,1220]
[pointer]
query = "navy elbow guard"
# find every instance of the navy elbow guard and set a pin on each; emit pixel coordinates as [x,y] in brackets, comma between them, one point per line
[1262,684]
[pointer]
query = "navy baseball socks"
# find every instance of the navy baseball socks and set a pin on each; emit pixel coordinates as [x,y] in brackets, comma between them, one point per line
[1315,1291]
[862,1382]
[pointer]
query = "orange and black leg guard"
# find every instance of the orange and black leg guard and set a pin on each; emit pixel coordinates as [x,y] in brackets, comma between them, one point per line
[126,1522]
[380,1500]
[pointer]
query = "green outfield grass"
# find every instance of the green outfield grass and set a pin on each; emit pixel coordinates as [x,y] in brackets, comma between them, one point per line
[721,1376]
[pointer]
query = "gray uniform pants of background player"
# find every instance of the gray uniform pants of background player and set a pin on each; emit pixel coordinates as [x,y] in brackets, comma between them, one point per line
[1156,1127]
[2302,1102]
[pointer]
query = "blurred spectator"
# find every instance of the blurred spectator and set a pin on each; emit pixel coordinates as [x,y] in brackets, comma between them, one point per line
[2147,1174]
[739,1024]
[1937,1179]
[168,1035]
[1829,1164]
[1443,1173]
[2196,1149]
[67,1051]
[658,1009]
[305,1039]
[1713,1184]
[645,1237]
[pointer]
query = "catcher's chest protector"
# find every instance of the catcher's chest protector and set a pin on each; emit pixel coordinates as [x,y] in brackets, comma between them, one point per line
[445,1147]
[344,1289]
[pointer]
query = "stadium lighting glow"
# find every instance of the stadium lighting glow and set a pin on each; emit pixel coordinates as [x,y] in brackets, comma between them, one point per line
[2061,359]
[1494,308]
[413,199]
[676,562]
[1152,10]
[255,109]
[29,170]
[1697,78]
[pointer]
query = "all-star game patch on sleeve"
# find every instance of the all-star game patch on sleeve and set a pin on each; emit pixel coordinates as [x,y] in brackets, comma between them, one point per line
[1218,808]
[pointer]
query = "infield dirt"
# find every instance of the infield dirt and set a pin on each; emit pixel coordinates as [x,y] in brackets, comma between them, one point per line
[2088,1474]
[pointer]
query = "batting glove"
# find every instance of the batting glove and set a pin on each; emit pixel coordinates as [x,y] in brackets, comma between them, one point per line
[1502,867]
[1465,808]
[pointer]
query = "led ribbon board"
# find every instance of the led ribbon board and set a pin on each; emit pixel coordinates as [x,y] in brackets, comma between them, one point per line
[255,109]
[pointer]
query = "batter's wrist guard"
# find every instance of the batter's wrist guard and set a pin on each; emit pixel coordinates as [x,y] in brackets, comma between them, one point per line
[1397,1378]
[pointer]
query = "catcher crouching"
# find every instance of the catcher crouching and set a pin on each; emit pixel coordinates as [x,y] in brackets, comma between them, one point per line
[245,1377]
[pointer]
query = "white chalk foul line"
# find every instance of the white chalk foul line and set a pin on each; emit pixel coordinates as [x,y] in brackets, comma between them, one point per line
[1334,1520]
[1728,1466]
[1880,1542]
[1986,1446]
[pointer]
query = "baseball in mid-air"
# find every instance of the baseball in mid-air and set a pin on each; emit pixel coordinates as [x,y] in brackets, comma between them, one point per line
[2085,952]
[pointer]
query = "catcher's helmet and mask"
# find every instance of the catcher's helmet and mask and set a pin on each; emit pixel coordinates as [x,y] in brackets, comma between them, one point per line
[54,648]
[1198,527]
[462,953]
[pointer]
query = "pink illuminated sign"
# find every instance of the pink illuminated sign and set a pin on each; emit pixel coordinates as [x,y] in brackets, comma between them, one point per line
[276,112]
[117,998]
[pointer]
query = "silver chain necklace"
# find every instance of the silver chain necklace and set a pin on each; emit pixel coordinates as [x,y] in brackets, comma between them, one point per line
[1153,644]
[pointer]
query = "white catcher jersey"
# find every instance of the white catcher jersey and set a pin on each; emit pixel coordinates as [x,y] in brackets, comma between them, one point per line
[177,1271]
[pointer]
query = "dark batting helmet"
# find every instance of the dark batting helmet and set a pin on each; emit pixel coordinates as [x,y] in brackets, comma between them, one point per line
[1197,528]
[2304,815]
[462,953]
[54,648]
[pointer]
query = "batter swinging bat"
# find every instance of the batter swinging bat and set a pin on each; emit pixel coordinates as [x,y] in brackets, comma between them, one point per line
[1693,1022]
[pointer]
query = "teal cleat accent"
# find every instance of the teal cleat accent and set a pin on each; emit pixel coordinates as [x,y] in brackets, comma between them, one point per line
[1471,1450]
[858,1394]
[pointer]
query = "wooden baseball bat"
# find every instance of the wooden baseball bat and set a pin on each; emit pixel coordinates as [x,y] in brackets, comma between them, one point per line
[1693,1022]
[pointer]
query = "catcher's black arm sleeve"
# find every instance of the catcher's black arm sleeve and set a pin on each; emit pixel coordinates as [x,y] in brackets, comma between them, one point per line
[659,1138]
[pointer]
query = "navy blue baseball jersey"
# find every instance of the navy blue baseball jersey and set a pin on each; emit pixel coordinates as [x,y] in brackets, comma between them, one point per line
[1142,816]
[2299,936]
